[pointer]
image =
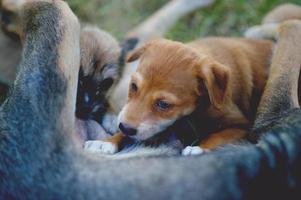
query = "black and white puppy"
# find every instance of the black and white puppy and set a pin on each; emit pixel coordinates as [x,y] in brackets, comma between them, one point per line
[99,70]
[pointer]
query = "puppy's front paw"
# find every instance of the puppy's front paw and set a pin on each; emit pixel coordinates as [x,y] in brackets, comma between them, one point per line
[192,150]
[97,146]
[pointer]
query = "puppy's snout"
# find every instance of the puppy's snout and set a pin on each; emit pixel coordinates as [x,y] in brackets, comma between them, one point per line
[127,129]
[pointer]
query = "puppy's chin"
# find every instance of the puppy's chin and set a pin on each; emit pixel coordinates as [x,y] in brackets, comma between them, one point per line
[148,130]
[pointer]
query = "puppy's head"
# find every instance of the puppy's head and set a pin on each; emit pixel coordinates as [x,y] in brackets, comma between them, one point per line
[169,81]
[99,69]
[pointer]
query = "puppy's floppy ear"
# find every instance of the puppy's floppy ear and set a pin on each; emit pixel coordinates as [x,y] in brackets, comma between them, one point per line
[215,78]
[135,55]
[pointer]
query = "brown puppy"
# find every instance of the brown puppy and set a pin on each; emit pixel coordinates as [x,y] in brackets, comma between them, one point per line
[225,76]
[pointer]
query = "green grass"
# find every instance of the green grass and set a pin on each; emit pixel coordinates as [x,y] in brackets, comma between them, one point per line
[115,16]
[224,18]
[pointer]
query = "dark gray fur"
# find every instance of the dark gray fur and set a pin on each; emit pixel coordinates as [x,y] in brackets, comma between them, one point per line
[38,159]
[10,55]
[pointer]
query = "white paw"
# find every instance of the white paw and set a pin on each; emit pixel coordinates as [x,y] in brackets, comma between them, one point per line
[97,146]
[192,150]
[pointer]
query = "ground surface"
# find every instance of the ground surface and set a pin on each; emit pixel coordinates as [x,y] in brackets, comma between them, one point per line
[224,18]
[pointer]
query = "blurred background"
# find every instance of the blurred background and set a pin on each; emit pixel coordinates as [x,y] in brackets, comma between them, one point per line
[223,18]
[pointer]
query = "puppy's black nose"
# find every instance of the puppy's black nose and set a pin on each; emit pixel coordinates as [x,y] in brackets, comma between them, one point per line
[127,130]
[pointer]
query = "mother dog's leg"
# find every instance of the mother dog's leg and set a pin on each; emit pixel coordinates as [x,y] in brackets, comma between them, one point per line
[38,116]
[281,91]
[46,85]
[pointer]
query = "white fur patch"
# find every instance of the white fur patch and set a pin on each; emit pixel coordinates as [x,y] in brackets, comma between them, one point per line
[266,31]
[139,77]
[120,116]
[110,123]
[192,150]
[148,129]
[97,146]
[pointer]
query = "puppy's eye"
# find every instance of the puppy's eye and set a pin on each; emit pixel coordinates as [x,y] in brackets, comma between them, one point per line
[134,87]
[162,105]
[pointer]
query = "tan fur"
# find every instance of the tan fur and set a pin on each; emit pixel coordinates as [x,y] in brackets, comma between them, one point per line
[155,26]
[97,48]
[69,47]
[115,139]
[282,13]
[286,30]
[272,23]
[230,135]
[229,69]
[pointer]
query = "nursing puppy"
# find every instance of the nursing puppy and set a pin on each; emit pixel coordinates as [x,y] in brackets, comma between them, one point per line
[99,70]
[219,78]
